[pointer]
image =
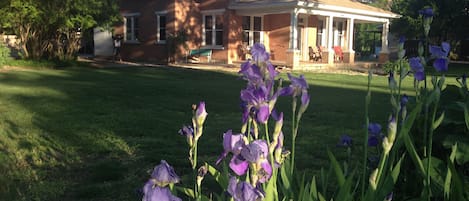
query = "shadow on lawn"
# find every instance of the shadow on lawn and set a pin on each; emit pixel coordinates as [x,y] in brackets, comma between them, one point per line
[99,132]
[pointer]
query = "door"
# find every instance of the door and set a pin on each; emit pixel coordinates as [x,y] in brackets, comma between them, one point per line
[303,37]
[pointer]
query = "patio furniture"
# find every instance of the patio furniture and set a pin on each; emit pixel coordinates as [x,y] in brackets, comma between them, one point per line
[200,52]
[338,54]
[315,54]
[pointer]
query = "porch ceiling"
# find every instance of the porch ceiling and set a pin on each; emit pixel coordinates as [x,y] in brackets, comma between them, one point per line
[338,8]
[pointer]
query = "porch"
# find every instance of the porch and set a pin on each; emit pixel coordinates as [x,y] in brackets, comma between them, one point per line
[291,29]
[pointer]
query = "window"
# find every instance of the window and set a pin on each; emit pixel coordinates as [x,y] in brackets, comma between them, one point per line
[131,27]
[213,30]
[320,36]
[161,27]
[338,33]
[252,30]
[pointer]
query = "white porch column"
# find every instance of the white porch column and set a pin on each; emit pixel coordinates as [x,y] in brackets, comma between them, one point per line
[330,38]
[293,30]
[293,53]
[350,34]
[384,37]
[384,54]
[351,53]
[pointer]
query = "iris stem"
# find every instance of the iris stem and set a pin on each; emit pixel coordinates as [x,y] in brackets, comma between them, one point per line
[271,157]
[430,145]
[365,141]
[194,170]
[294,131]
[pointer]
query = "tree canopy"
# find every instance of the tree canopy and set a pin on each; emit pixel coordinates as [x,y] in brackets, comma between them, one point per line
[450,21]
[51,28]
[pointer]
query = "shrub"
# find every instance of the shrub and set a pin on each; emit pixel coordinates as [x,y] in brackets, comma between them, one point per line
[5,54]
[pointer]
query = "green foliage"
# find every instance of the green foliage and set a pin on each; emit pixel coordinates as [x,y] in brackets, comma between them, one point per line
[5,54]
[450,21]
[50,28]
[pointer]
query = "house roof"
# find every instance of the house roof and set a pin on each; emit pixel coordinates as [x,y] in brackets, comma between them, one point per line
[321,7]
[351,5]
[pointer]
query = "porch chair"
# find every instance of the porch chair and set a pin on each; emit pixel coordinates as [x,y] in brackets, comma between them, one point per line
[315,53]
[338,54]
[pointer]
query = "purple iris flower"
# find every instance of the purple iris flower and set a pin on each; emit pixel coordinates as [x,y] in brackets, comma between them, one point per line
[298,84]
[374,130]
[304,97]
[419,75]
[440,51]
[373,141]
[243,191]
[255,153]
[164,174]
[186,130]
[231,144]
[201,113]
[259,53]
[445,47]
[245,111]
[251,72]
[263,113]
[441,54]
[426,12]
[156,193]
[239,165]
[259,99]
[417,68]
[345,141]
[404,100]
[441,64]
[271,70]
[415,64]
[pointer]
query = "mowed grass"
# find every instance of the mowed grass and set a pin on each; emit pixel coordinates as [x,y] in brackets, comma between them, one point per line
[88,134]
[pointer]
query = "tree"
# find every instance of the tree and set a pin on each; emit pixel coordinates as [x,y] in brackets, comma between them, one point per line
[51,28]
[450,22]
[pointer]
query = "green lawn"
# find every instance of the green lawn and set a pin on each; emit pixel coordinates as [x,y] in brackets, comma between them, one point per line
[88,134]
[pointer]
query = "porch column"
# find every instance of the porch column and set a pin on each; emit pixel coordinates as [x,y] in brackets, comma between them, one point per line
[384,54]
[351,52]
[330,38]
[293,31]
[293,53]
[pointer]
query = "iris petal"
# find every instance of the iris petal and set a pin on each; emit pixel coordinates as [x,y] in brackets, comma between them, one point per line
[238,165]
[419,76]
[441,64]
[263,113]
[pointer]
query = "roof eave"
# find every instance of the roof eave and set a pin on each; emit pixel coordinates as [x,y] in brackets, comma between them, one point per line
[321,6]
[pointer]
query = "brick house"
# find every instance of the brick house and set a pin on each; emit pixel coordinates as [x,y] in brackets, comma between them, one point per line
[229,27]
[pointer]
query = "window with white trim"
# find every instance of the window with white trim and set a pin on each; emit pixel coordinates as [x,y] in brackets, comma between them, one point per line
[338,33]
[213,30]
[320,35]
[252,30]
[131,26]
[161,27]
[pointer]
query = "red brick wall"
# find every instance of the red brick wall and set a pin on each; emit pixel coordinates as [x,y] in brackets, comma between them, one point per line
[146,49]
[278,27]
[182,15]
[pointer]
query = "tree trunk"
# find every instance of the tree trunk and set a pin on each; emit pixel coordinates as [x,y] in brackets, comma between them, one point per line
[23,33]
